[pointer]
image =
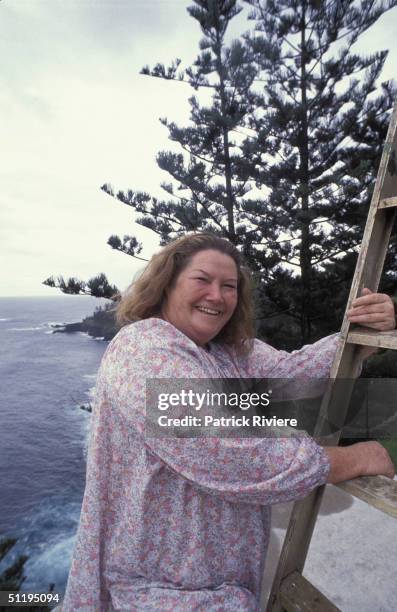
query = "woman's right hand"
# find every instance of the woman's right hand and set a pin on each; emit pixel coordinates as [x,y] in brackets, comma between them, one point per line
[361,459]
[374,459]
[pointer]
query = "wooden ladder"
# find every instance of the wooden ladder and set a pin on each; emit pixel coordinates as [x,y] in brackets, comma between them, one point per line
[291,591]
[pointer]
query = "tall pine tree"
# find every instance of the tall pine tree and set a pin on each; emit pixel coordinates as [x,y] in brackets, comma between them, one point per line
[326,123]
[212,177]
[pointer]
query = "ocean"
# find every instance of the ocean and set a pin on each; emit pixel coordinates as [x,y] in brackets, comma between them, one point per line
[45,378]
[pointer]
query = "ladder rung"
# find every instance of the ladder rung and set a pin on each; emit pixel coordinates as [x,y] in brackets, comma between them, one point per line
[388,203]
[298,595]
[372,337]
[378,491]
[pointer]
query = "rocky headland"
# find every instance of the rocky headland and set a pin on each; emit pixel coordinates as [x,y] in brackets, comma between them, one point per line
[101,324]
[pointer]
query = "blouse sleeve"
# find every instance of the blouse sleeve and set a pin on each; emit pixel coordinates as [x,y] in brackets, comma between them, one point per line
[298,375]
[311,361]
[251,470]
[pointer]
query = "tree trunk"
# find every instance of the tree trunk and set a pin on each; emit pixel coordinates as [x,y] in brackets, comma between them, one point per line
[305,255]
[226,146]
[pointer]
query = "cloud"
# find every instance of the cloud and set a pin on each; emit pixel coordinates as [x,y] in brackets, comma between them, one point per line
[78,114]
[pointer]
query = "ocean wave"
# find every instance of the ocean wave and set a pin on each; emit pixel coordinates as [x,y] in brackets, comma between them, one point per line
[5,319]
[86,406]
[90,392]
[46,536]
[50,566]
[25,328]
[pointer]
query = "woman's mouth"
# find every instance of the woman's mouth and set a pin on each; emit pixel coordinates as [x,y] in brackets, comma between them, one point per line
[209,311]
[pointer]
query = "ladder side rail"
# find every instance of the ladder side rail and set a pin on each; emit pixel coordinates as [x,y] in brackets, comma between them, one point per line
[346,362]
[303,518]
[385,182]
[332,413]
[296,543]
[298,595]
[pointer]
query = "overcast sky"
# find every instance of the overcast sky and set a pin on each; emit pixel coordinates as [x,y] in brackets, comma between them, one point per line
[75,113]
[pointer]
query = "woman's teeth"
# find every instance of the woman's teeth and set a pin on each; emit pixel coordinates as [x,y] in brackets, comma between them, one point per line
[208,310]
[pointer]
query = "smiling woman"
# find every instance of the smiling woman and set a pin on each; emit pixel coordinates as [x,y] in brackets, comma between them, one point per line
[182,524]
[200,285]
[203,297]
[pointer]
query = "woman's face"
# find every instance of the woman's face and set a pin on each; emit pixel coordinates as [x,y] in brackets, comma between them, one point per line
[203,297]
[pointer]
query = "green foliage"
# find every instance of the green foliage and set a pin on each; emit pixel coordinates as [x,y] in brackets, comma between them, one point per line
[381,365]
[210,177]
[391,447]
[12,577]
[324,122]
[97,286]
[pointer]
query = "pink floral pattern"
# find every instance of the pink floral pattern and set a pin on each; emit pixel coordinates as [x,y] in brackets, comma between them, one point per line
[182,525]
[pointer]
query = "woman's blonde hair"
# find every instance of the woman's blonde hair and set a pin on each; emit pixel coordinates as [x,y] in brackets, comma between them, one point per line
[145,297]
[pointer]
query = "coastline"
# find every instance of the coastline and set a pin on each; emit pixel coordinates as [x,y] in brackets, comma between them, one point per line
[100,325]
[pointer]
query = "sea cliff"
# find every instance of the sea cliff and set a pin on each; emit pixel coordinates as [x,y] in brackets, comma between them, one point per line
[101,324]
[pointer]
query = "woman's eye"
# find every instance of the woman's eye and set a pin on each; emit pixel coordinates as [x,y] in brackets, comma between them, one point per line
[231,286]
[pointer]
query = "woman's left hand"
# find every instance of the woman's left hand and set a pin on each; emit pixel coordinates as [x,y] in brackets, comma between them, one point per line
[375,310]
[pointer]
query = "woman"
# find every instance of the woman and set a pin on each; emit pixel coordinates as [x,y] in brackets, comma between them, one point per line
[183,524]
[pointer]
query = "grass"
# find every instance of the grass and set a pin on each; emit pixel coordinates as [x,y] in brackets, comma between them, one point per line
[391,447]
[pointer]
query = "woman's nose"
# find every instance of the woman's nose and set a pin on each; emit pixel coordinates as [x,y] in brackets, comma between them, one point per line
[214,291]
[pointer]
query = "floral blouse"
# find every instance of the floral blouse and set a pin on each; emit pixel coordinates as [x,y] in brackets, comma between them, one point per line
[182,525]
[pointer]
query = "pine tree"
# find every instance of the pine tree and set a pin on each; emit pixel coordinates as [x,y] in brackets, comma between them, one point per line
[212,176]
[326,124]
[98,286]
